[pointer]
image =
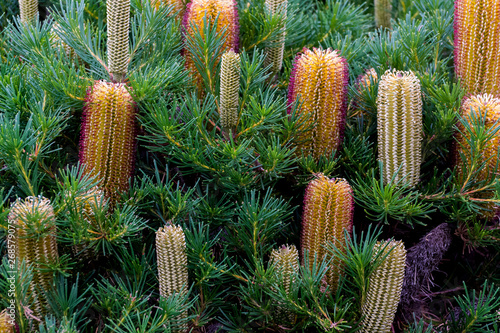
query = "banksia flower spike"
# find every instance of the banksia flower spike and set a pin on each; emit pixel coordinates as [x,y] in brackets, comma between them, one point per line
[229,90]
[487,106]
[328,210]
[399,125]
[118,19]
[286,264]
[178,5]
[383,9]
[172,261]
[274,55]
[6,325]
[384,289]
[320,78]
[107,140]
[28,10]
[36,244]
[477,45]
[227,12]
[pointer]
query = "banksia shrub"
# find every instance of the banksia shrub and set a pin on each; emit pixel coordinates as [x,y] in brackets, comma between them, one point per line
[383,9]
[477,45]
[229,89]
[363,83]
[286,264]
[487,106]
[172,261]
[108,136]
[274,54]
[384,288]
[28,10]
[328,210]
[227,13]
[5,323]
[399,125]
[118,19]
[36,244]
[320,78]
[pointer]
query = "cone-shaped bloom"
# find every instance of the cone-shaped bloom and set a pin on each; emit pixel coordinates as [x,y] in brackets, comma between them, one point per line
[477,45]
[35,243]
[383,9]
[384,289]
[274,55]
[107,140]
[229,89]
[6,325]
[319,78]
[28,10]
[227,12]
[399,125]
[118,19]
[328,210]
[475,107]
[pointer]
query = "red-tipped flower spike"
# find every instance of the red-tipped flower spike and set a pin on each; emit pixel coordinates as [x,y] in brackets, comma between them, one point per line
[227,12]
[477,45]
[328,210]
[320,78]
[108,136]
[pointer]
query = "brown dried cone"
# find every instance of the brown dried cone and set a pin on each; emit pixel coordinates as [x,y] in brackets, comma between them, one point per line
[399,126]
[107,140]
[384,288]
[6,322]
[383,9]
[487,106]
[172,262]
[328,211]
[229,90]
[28,9]
[274,55]
[118,19]
[35,243]
[286,264]
[86,205]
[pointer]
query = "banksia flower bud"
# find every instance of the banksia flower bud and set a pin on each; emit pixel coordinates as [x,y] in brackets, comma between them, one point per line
[172,261]
[384,289]
[36,244]
[108,137]
[6,325]
[383,9]
[320,78]
[286,263]
[477,45]
[179,6]
[28,10]
[274,55]
[227,12]
[399,125]
[487,106]
[229,89]
[328,210]
[118,20]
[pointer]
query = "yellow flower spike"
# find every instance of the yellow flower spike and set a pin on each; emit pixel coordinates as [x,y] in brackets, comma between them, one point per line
[5,322]
[399,125]
[320,78]
[118,19]
[229,89]
[107,142]
[274,55]
[28,10]
[384,289]
[477,45]
[35,243]
[383,9]
[328,210]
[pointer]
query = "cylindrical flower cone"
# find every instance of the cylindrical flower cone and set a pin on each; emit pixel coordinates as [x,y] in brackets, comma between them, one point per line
[35,243]
[118,19]
[28,10]
[477,45]
[383,9]
[399,125]
[384,289]
[328,211]
[229,90]
[274,55]
[227,12]
[107,140]
[320,78]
